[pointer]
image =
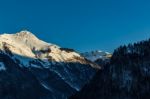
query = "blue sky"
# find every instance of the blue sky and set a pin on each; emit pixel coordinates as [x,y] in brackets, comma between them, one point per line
[80,24]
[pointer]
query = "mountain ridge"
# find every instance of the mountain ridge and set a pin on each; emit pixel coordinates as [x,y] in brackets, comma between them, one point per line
[35,48]
[54,68]
[96,54]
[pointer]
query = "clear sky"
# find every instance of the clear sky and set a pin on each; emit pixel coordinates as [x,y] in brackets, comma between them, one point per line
[80,24]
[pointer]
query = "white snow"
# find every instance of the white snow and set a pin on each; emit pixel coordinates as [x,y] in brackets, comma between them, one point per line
[94,55]
[25,46]
[2,66]
[46,87]
[36,66]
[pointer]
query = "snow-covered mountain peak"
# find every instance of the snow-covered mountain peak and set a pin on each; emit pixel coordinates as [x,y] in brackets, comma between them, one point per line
[25,33]
[24,38]
[56,71]
[26,44]
[30,39]
[95,55]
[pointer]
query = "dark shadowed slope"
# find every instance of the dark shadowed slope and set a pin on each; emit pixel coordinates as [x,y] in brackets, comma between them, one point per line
[127,76]
[59,81]
[19,83]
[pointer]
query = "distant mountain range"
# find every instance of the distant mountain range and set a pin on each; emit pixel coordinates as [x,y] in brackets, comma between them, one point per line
[96,55]
[33,69]
[99,57]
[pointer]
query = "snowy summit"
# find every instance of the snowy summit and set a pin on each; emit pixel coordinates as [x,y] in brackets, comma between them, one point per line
[95,55]
[26,44]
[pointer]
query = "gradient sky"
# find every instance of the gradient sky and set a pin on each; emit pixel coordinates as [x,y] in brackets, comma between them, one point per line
[80,24]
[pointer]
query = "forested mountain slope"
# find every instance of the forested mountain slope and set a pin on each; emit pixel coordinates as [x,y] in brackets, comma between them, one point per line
[127,76]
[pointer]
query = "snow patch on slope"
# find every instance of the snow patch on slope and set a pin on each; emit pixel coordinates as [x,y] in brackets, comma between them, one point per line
[2,66]
[94,55]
